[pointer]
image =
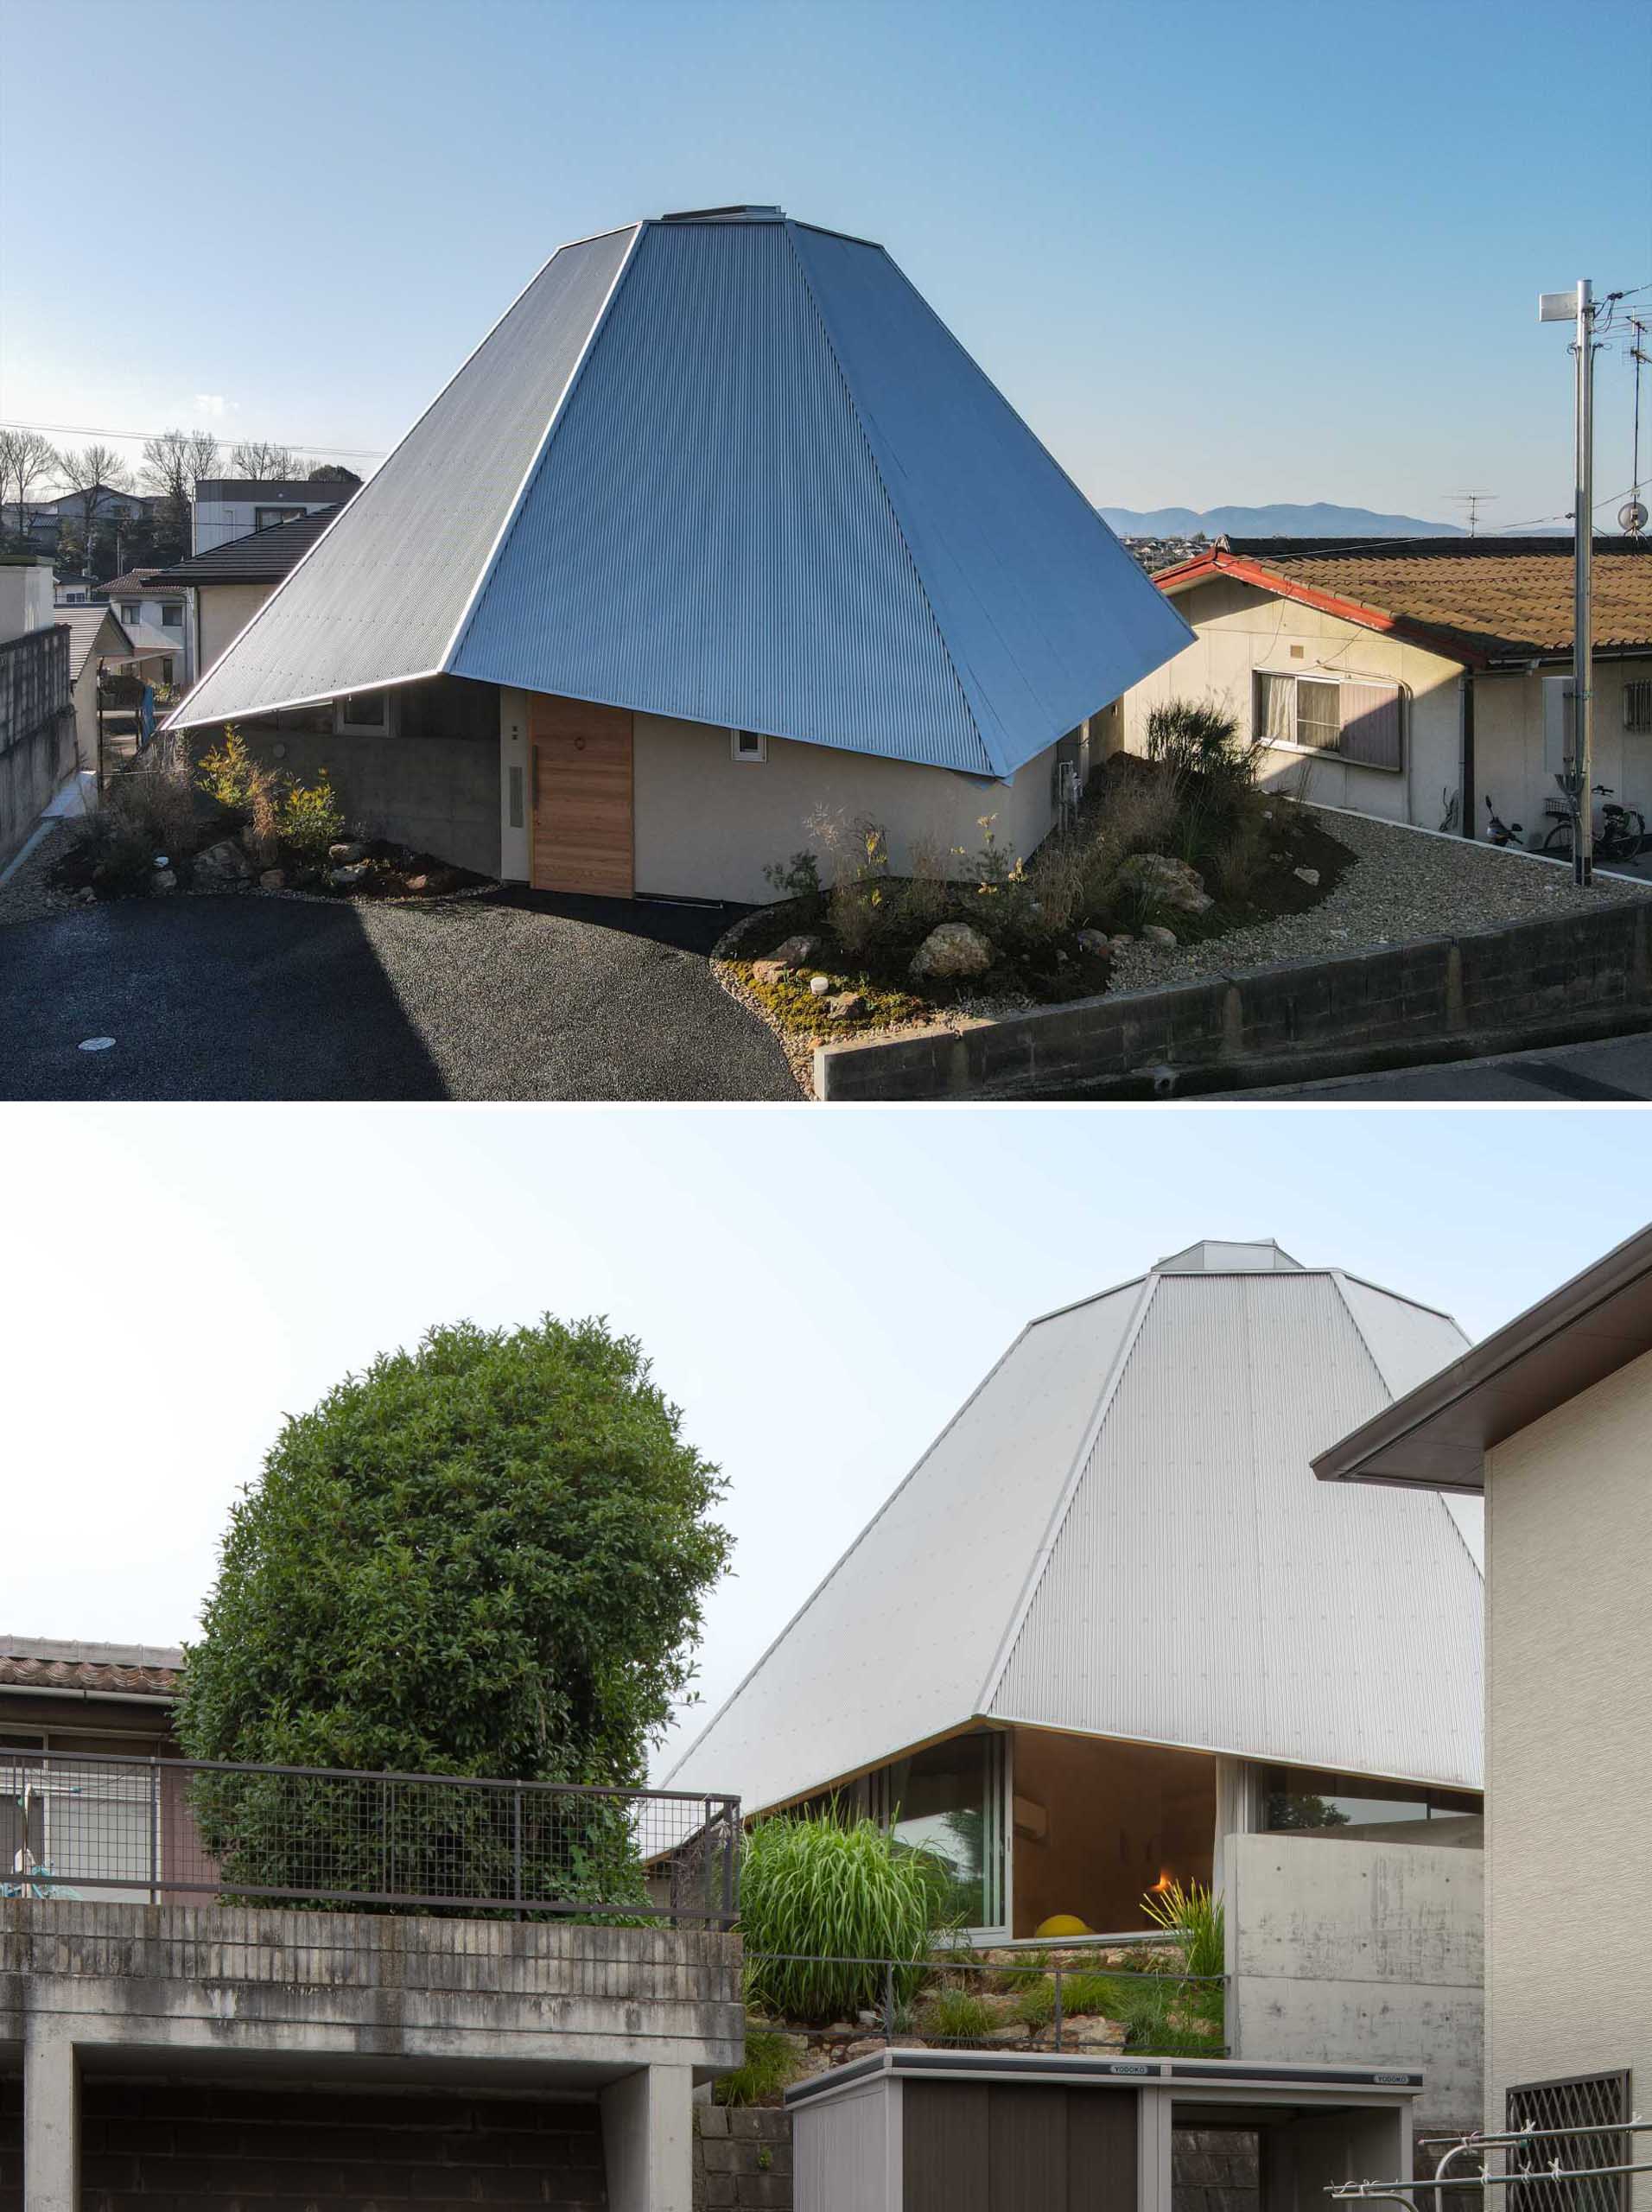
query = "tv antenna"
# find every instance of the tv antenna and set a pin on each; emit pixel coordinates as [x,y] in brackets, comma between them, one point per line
[1631,516]
[1473,500]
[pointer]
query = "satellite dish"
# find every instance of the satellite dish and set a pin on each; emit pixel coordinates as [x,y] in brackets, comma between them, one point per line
[1631,517]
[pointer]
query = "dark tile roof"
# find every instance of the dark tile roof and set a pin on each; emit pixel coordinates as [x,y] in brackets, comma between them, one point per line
[137,583]
[262,556]
[128,1669]
[1502,598]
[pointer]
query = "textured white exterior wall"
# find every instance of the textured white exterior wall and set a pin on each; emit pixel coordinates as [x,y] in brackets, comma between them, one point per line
[1360,1955]
[1569,1745]
[1516,757]
[1243,629]
[225,610]
[706,824]
[217,521]
[27,599]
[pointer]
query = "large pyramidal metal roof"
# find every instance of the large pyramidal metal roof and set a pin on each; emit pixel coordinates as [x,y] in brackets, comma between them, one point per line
[730,468]
[1119,1534]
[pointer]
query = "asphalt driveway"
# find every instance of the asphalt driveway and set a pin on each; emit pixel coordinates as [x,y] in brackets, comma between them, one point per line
[517,996]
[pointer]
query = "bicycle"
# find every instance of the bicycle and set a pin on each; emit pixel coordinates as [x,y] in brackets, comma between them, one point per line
[1619,836]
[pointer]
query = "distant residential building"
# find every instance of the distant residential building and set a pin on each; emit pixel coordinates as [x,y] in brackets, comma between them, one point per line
[49,517]
[225,588]
[1416,681]
[144,601]
[234,507]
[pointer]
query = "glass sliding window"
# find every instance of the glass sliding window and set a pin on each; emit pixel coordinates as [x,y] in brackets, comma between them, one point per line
[948,1801]
[1296,1799]
[1276,710]
[1318,715]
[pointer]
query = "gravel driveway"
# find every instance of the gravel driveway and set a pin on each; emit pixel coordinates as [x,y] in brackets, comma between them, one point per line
[510,997]
[1404,885]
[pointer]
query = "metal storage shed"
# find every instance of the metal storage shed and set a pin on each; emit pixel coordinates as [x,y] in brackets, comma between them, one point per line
[928,2131]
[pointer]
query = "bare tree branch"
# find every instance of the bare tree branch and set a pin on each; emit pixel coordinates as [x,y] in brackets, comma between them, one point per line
[95,469]
[25,457]
[264,463]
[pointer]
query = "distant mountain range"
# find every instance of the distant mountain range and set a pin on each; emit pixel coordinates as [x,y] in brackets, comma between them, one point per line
[1319,520]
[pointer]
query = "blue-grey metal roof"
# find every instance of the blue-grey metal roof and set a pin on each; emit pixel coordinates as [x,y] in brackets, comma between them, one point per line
[729,468]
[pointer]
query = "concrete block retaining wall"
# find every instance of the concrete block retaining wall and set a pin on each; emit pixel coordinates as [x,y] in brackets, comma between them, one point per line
[1491,989]
[31,771]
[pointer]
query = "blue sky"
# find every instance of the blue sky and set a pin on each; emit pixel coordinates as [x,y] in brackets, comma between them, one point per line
[820,1291]
[1215,255]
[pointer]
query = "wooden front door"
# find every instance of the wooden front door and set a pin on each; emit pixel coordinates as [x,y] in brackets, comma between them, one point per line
[581,797]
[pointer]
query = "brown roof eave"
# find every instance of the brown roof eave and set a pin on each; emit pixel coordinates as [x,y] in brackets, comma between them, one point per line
[1448,643]
[1436,1436]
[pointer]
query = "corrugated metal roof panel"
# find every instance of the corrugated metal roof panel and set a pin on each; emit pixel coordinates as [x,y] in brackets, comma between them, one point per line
[1121,1534]
[706,536]
[895,1645]
[379,597]
[1047,616]
[1197,1594]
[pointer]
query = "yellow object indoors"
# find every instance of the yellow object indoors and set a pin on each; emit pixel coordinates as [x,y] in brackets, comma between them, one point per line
[1061,1923]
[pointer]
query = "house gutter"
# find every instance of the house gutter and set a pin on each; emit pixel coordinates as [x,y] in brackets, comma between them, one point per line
[92,1697]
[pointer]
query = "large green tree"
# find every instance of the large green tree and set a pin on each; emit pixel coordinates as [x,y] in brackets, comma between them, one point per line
[484,1557]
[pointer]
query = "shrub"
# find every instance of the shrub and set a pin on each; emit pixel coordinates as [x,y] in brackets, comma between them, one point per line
[771,2062]
[1147,2010]
[1036,2005]
[148,810]
[484,1557]
[957,2016]
[927,893]
[1197,1920]
[1196,740]
[821,1889]
[310,819]
[1087,1993]
[227,772]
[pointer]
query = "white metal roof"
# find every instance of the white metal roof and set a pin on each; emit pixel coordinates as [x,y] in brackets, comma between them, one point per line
[1121,1534]
[732,469]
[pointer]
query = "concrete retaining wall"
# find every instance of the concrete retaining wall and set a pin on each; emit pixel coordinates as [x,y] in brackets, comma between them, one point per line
[1572,975]
[1361,1954]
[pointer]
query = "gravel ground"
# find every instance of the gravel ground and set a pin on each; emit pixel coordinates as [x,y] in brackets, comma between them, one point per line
[1402,886]
[27,896]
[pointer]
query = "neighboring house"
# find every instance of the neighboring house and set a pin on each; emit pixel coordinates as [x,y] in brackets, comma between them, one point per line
[226,507]
[718,528]
[1415,681]
[143,601]
[47,518]
[224,588]
[96,638]
[1549,1420]
[1109,1633]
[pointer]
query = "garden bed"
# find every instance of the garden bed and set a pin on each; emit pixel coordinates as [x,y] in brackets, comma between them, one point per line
[1160,857]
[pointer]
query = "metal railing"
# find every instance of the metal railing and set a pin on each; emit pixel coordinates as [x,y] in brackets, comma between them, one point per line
[904,2000]
[159,1831]
[1545,2166]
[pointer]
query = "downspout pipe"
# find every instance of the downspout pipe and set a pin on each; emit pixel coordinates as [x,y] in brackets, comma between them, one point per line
[1469,824]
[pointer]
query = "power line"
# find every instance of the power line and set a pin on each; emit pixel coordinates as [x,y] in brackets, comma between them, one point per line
[292,445]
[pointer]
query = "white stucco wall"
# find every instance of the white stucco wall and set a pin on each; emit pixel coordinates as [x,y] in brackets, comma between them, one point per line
[1243,629]
[1569,1745]
[1517,743]
[223,611]
[706,824]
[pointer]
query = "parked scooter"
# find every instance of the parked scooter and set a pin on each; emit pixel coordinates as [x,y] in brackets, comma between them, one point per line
[1499,832]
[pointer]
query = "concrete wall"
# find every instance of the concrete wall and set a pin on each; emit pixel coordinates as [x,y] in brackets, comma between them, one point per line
[1361,1955]
[222,611]
[1488,990]
[706,825]
[1568,1748]
[631,2015]
[432,782]
[1243,629]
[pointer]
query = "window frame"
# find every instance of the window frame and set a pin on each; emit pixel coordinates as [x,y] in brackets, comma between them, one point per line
[343,727]
[1637,706]
[1340,680]
[743,760]
[172,614]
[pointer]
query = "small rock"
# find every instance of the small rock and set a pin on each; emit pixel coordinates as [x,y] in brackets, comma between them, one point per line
[220,864]
[839,2031]
[1308,875]
[819,985]
[864,2047]
[953,949]
[796,951]
[418,883]
[85,896]
[346,878]
[1155,933]
[842,1005]
[770,971]
[1015,2033]
[164,879]
[870,2020]
[343,855]
[1095,940]
[273,879]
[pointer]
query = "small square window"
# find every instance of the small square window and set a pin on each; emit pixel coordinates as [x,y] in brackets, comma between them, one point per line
[172,617]
[749,745]
[364,713]
[1637,706]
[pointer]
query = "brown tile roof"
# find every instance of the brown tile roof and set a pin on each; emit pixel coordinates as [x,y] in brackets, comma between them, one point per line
[137,583]
[126,1669]
[1501,599]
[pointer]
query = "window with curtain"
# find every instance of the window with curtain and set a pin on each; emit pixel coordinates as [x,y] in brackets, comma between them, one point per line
[1354,719]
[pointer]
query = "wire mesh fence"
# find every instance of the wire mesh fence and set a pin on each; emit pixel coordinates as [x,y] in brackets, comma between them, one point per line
[950,2000]
[155,1831]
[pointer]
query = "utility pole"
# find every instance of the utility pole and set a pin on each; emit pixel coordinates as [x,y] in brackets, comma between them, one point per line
[1562,307]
